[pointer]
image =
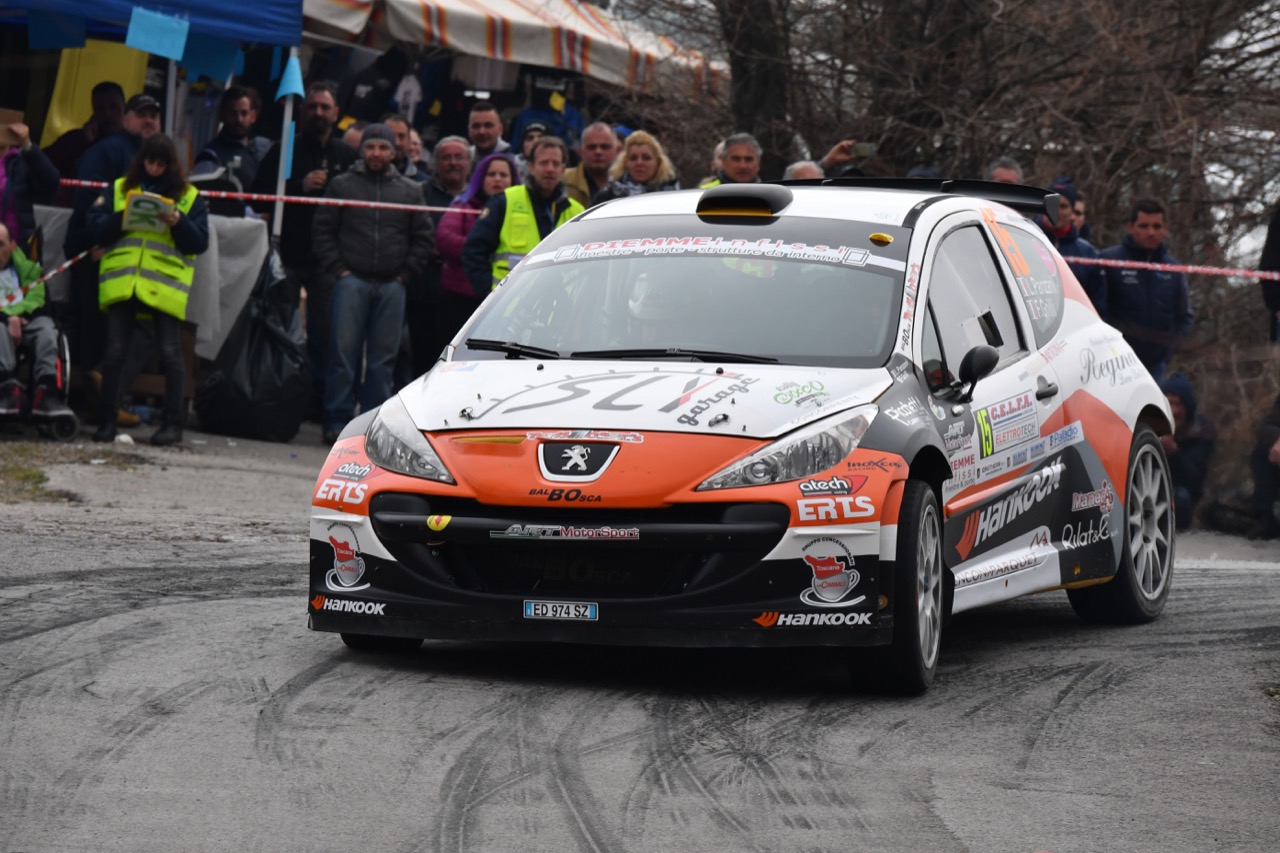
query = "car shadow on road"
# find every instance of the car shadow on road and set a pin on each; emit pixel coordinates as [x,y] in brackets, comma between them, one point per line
[970,640]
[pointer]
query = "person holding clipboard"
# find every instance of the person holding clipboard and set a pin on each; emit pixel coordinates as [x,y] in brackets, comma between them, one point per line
[152,224]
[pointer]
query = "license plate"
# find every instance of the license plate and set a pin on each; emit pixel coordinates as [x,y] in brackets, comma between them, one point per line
[574,610]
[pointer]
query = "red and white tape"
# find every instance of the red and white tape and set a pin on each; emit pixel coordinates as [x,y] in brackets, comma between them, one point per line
[291,199]
[1266,275]
[1269,275]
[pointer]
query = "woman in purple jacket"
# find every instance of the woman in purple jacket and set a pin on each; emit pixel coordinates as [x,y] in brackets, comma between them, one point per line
[458,299]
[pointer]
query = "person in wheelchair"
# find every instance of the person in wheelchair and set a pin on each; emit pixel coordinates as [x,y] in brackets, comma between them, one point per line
[27,327]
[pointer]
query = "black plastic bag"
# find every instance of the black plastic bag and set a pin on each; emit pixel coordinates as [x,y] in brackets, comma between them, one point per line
[261,385]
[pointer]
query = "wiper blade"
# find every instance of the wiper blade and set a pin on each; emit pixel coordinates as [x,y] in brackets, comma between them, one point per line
[511,348]
[675,352]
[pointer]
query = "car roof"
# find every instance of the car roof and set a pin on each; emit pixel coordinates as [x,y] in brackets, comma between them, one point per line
[894,201]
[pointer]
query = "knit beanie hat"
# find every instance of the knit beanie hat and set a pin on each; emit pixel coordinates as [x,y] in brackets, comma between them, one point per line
[1064,186]
[378,131]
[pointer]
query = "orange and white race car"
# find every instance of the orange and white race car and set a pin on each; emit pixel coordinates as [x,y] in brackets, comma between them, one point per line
[758,415]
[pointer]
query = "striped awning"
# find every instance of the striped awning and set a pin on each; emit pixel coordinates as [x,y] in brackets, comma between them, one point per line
[566,34]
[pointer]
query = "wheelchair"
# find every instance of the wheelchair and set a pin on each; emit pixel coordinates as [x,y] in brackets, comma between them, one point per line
[61,427]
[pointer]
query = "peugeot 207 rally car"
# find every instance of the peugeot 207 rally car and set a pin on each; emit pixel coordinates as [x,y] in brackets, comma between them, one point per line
[759,415]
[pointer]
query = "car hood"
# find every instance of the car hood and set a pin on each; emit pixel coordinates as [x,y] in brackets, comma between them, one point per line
[757,401]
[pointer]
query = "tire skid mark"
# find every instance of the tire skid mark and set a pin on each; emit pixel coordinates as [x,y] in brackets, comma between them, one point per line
[1070,697]
[270,728]
[685,774]
[90,765]
[570,784]
[462,788]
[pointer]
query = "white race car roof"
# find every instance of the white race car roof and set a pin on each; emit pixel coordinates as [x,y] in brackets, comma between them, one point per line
[844,202]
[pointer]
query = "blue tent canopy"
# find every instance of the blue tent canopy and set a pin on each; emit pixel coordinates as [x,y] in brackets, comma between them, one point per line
[273,22]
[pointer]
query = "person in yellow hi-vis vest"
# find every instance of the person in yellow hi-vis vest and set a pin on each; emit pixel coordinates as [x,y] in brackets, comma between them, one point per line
[152,224]
[517,219]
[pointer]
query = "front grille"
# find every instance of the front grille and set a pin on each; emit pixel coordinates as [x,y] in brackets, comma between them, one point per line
[679,549]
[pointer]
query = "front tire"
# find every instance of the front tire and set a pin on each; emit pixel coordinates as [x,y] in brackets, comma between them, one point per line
[1138,592]
[918,607]
[372,643]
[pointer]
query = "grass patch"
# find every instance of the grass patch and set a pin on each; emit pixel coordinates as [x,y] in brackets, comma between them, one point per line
[1273,692]
[23,464]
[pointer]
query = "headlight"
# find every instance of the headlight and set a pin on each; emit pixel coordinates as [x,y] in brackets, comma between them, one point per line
[801,454]
[394,443]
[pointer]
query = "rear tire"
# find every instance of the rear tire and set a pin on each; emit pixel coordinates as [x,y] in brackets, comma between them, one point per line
[372,643]
[910,663]
[1138,592]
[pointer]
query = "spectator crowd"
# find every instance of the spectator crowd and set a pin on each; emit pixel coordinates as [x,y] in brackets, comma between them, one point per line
[386,288]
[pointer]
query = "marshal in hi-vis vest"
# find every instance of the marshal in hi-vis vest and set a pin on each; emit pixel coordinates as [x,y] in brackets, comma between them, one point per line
[148,265]
[519,232]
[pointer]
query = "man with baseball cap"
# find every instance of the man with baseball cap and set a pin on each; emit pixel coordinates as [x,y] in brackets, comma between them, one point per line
[106,160]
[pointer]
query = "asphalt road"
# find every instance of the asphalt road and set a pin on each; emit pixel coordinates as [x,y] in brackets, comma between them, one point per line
[159,691]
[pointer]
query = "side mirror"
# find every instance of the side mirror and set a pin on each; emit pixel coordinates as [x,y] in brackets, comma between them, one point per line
[976,364]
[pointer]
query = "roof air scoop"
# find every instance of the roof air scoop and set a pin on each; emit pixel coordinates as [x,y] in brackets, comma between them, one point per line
[765,200]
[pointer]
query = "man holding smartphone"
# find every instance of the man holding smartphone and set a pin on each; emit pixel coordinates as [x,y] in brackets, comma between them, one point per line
[843,155]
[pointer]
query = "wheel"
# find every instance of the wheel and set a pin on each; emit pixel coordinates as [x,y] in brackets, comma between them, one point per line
[1138,591]
[65,428]
[918,587]
[371,643]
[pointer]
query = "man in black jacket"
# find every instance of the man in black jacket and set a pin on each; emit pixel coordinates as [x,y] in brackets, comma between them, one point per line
[1188,449]
[319,155]
[371,253]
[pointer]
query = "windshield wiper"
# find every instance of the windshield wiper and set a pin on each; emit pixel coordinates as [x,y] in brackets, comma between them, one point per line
[675,352]
[511,348]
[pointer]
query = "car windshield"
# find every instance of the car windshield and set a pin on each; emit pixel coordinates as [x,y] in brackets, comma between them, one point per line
[817,292]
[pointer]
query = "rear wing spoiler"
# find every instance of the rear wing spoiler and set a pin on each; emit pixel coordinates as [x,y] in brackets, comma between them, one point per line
[1024,199]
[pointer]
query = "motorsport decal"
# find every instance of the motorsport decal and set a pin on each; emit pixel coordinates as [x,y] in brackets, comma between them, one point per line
[348,565]
[567,495]
[558,531]
[1006,423]
[1040,359]
[342,490]
[982,525]
[337,605]
[1037,550]
[907,412]
[736,247]
[613,388]
[832,486]
[958,434]
[344,485]
[1072,433]
[1118,367]
[1082,535]
[1102,499]
[884,463]
[908,309]
[811,393]
[585,435]
[772,618]
[834,577]
[835,509]
[438,522]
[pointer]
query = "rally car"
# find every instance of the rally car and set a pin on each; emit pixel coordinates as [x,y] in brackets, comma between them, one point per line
[759,415]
